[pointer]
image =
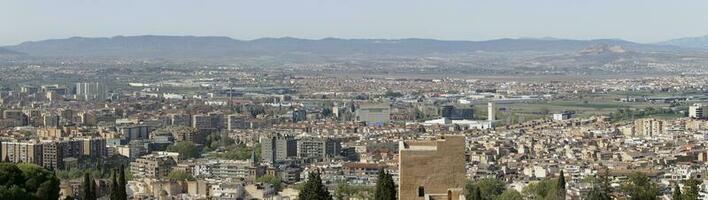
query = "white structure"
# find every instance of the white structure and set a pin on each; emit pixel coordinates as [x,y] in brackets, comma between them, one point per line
[90,91]
[491,111]
[227,191]
[561,116]
[695,111]
[469,124]
[374,114]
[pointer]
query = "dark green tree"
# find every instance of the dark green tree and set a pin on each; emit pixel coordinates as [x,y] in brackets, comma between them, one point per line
[600,189]
[385,187]
[122,184]
[544,189]
[488,188]
[274,181]
[27,181]
[185,149]
[691,187]
[87,188]
[180,175]
[677,192]
[474,193]
[510,194]
[114,186]
[343,192]
[560,188]
[640,187]
[314,189]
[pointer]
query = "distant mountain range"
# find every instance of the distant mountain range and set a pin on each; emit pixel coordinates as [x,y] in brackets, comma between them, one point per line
[688,42]
[4,51]
[214,47]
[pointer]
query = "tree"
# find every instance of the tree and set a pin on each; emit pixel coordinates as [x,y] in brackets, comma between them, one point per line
[13,192]
[691,187]
[560,189]
[544,189]
[601,189]
[473,192]
[180,175]
[27,181]
[677,192]
[490,188]
[314,189]
[484,189]
[87,188]
[185,149]
[510,194]
[115,191]
[343,191]
[274,181]
[640,187]
[385,187]
[122,184]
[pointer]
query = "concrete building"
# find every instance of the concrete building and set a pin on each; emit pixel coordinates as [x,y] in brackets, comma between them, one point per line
[278,148]
[374,114]
[491,111]
[236,121]
[648,127]
[134,132]
[696,111]
[317,148]
[180,120]
[90,91]
[432,169]
[208,123]
[52,155]
[562,116]
[50,120]
[224,169]
[94,147]
[16,115]
[155,165]
[24,151]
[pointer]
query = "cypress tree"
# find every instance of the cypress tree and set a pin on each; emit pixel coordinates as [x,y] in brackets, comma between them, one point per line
[677,192]
[475,194]
[114,186]
[92,185]
[385,187]
[560,189]
[390,187]
[122,183]
[87,188]
[606,187]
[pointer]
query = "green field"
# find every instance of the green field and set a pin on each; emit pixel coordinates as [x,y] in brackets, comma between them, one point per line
[509,113]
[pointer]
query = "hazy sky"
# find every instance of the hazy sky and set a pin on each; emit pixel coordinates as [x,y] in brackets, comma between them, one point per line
[635,20]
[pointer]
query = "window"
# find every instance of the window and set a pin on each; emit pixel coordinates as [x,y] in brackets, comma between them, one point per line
[421,191]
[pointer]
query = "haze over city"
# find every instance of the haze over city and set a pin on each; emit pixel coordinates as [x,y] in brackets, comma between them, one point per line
[353,100]
[635,20]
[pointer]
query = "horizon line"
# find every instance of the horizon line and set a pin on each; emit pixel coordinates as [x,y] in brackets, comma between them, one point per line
[550,38]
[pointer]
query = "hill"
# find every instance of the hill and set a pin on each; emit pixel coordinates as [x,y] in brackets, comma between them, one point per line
[215,47]
[688,42]
[4,51]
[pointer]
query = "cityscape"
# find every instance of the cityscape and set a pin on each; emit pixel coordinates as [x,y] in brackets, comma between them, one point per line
[159,116]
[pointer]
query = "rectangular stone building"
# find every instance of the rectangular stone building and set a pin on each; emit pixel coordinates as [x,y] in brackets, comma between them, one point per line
[432,169]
